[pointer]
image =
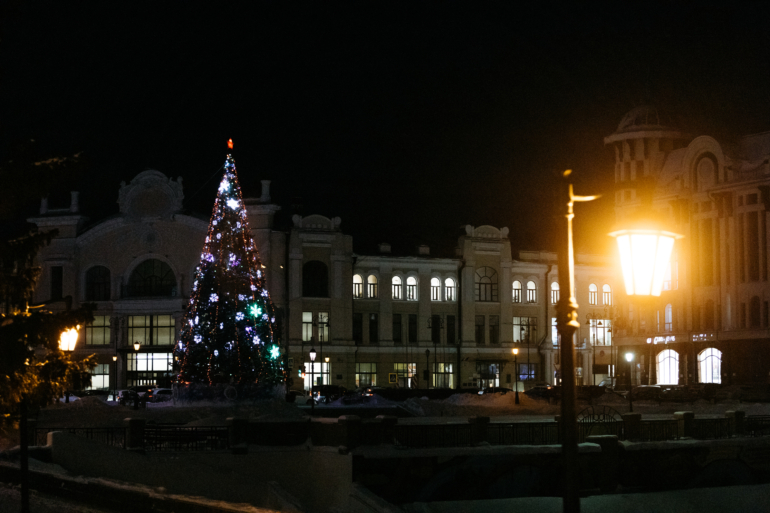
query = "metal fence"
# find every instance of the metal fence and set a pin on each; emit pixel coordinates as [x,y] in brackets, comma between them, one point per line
[183,438]
[655,431]
[523,433]
[757,425]
[437,435]
[711,429]
[112,436]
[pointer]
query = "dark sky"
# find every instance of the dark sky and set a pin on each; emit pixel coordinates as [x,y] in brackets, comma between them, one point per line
[407,120]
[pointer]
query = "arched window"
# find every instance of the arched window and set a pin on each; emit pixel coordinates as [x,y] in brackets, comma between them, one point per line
[449,288]
[435,289]
[98,284]
[754,312]
[607,293]
[668,319]
[397,288]
[517,292]
[152,278]
[710,366]
[531,292]
[371,286]
[315,279]
[358,286]
[486,284]
[593,294]
[554,293]
[411,289]
[668,367]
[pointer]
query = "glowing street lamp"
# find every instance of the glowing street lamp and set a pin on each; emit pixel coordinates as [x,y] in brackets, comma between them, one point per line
[630,359]
[645,252]
[515,352]
[312,379]
[137,346]
[68,339]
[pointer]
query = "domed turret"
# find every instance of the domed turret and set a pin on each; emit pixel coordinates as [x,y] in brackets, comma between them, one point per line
[644,137]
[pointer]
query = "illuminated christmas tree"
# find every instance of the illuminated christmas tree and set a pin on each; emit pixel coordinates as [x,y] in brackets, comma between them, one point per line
[229,331]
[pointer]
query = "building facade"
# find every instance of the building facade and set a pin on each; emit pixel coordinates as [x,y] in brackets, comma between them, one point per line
[711,323]
[384,319]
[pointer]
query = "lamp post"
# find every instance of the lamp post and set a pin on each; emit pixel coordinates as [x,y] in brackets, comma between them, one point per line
[115,390]
[67,341]
[630,359]
[515,352]
[312,379]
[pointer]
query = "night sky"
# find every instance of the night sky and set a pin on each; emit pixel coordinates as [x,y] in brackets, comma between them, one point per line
[407,120]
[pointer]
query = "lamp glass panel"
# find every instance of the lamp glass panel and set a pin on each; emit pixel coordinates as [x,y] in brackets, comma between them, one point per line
[665,246]
[644,248]
[624,246]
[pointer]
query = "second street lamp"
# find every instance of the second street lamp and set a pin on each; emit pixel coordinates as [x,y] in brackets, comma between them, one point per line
[515,352]
[630,360]
[312,379]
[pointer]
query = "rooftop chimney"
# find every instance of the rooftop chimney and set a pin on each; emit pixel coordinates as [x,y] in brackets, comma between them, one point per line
[384,247]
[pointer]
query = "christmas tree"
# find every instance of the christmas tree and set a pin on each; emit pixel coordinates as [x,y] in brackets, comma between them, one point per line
[229,331]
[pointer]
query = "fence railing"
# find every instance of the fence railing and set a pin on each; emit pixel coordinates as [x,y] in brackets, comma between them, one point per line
[757,425]
[184,438]
[436,435]
[112,436]
[523,433]
[711,429]
[657,431]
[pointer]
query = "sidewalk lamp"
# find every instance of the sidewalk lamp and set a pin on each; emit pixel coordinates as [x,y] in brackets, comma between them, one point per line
[115,359]
[312,379]
[67,341]
[515,352]
[630,359]
[137,346]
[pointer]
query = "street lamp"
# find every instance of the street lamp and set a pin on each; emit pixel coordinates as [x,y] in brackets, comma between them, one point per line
[67,341]
[137,346]
[630,359]
[115,393]
[515,352]
[312,379]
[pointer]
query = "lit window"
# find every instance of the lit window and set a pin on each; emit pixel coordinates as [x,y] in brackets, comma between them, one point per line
[151,330]
[371,286]
[669,324]
[531,292]
[100,377]
[397,289]
[98,332]
[323,326]
[593,294]
[607,295]
[411,289]
[449,285]
[668,367]
[601,332]
[710,366]
[307,326]
[442,375]
[554,293]
[435,289]
[366,374]
[525,329]
[407,374]
[486,284]
[517,292]
[358,286]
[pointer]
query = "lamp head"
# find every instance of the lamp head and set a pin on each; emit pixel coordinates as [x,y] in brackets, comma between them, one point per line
[115,358]
[515,350]
[68,339]
[312,355]
[136,346]
[326,359]
[629,357]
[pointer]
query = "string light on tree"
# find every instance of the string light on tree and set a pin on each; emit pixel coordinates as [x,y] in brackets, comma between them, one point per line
[229,333]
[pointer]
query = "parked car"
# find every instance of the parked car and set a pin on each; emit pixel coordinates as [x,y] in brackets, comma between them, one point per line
[144,391]
[542,392]
[678,394]
[371,391]
[127,397]
[608,382]
[646,393]
[328,393]
[494,390]
[161,395]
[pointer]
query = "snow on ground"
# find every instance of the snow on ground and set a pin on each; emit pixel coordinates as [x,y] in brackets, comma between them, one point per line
[10,502]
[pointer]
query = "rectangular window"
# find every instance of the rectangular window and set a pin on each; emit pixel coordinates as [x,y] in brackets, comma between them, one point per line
[531,295]
[525,330]
[372,290]
[100,377]
[307,326]
[516,295]
[407,374]
[397,328]
[412,328]
[145,369]
[374,328]
[601,332]
[451,333]
[397,291]
[442,375]
[358,328]
[57,282]
[151,330]
[435,329]
[480,329]
[593,297]
[526,372]
[555,297]
[435,292]
[411,292]
[607,295]
[494,329]
[318,372]
[323,326]
[97,333]
[366,374]
[358,290]
[450,292]
[554,332]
